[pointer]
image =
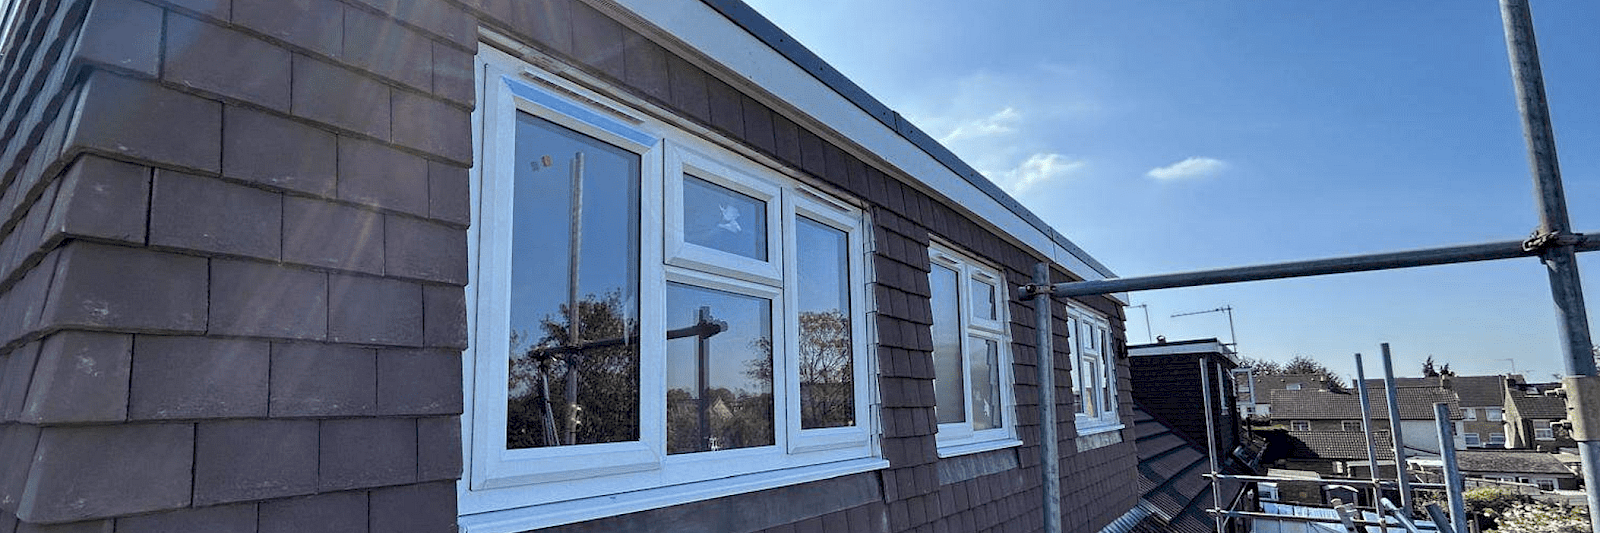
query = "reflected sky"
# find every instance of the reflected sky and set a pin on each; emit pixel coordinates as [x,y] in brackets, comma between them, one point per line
[948,394]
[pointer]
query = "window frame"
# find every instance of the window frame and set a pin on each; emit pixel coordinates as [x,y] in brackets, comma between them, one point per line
[1344,425]
[957,438]
[1469,413]
[1543,481]
[1548,431]
[1496,439]
[1294,425]
[1108,415]
[1494,414]
[1472,440]
[508,490]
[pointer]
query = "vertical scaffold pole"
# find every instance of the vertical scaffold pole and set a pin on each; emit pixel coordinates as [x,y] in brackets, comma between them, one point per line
[1366,427]
[1050,457]
[1566,288]
[1211,440]
[1400,467]
[1452,474]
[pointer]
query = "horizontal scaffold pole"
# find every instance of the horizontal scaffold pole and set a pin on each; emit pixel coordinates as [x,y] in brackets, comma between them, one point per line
[1317,267]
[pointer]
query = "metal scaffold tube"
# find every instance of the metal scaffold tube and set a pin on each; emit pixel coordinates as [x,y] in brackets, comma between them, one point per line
[1560,260]
[1401,468]
[1050,458]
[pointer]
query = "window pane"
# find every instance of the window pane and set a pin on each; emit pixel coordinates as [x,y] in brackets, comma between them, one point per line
[719,370]
[984,355]
[719,218]
[983,295]
[1090,369]
[574,376]
[947,386]
[827,379]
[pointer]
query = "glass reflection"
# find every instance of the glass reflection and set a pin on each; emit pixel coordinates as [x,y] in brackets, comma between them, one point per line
[719,370]
[984,355]
[827,382]
[947,386]
[574,350]
[984,294]
[719,218]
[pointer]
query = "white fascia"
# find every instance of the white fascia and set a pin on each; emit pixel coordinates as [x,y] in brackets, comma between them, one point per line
[719,39]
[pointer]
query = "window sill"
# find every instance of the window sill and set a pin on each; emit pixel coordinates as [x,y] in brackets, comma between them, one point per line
[571,511]
[976,447]
[1085,430]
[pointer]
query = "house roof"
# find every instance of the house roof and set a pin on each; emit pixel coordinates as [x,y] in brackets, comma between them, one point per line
[1540,407]
[1171,480]
[1408,382]
[1510,461]
[1338,445]
[1481,391]
[1271,382]
[1415,404]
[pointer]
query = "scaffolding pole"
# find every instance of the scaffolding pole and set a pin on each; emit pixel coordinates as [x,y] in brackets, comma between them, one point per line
[1560,260]
[1366,427]
[1400,465]
[1211,438]
[1050,458]
[1452,474]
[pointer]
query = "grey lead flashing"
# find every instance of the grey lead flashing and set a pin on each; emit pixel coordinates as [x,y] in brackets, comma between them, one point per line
[780,41]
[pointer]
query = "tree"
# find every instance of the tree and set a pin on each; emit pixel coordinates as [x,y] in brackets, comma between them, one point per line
[1430,370]
[1306,365]
[604,360]
[1262,366]
[1541,517]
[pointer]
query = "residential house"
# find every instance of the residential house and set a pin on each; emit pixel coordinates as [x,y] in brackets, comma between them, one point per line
[1259,387]
[512,265]
[1324,411]
[1535,420]
[1176,493]
[1520,466]
[1483,407]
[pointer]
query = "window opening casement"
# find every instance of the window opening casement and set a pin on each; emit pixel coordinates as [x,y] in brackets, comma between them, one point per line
[1472,439]
[1470,413]
[1494,414]
[1094,374]
[1543,431]
[971,354]
[656,319]
[1497,439]
[1544,483]
[1300,425]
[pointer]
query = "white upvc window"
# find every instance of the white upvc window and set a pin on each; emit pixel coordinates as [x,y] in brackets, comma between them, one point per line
[971,354]
[1294,386]
[1494,414]
[1094,372]
[1543,431]
[1300,425]
[1470,413]
[1545,483]
[1497,439]
[1350,425]
[655,318]
[1472,439]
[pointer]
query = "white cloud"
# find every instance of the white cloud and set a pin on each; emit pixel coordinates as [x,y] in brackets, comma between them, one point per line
[1193,167]
[1037,170]
[1001,123]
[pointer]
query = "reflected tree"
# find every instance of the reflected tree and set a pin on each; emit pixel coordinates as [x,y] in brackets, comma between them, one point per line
[826,368]
[598,370]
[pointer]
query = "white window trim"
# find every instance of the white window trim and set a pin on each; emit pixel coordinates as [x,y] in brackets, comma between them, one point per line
[1293,424]
[1540,481]
[1496,439]
[1469,413]
[958,438]
[1109,417]
[1494,414]
[507,490]
[1471,439]
[1346,424]
[1548,431]
[741,179]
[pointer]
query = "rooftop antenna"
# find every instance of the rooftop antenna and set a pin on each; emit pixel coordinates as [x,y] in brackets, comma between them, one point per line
[1147,333]
[1226,309]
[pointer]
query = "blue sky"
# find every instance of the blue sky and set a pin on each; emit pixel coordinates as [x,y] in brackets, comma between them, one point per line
[1181,135]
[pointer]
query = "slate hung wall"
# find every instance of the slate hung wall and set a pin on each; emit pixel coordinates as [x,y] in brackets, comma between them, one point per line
[234,246]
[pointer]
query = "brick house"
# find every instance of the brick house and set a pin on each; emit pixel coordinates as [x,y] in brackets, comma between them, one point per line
[507,265]
[1533,421]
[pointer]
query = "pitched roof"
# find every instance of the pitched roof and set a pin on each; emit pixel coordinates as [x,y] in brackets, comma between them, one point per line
[1540,407]
[1170,480]
[1510,461]
[1338,445]
[1481,391]
[1415,404]
[1408,382]
[1272,382]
